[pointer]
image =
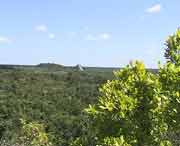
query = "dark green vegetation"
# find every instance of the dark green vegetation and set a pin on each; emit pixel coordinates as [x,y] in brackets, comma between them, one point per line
[50,94]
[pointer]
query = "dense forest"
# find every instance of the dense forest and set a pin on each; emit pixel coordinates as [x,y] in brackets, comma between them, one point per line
[51,104]
[52,95]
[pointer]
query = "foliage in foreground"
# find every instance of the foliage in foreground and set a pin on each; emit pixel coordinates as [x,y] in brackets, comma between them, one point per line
[138,108]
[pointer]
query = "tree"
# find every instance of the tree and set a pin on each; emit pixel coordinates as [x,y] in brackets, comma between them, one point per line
[169,77]
[138,108]
[130,110]
[172,53]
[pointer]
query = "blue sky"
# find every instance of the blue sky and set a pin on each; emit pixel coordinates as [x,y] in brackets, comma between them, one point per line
[87,32]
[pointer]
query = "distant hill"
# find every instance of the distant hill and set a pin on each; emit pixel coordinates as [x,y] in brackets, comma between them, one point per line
[50,66]
[10,66]
[58,67]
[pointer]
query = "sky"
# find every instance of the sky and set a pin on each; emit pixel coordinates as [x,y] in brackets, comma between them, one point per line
[106,33]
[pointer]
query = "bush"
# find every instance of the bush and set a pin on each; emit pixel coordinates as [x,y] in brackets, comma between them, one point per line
[139,108]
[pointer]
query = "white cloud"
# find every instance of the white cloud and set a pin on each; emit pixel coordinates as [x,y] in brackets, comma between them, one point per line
[41,28]
[154,9]
[52,36]
[5,40]
[105,36]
